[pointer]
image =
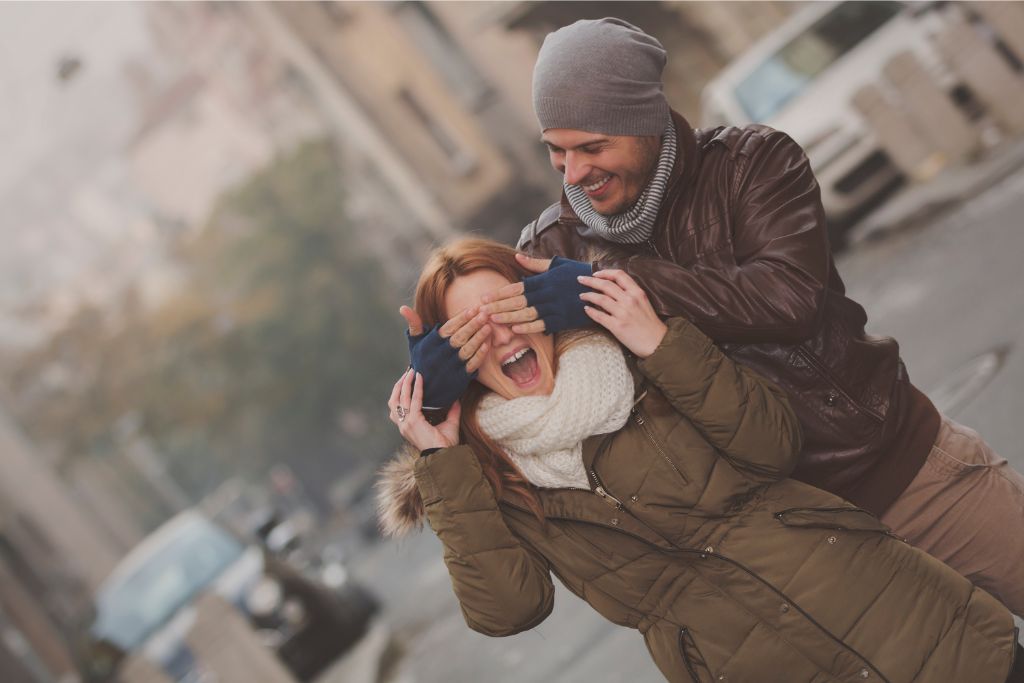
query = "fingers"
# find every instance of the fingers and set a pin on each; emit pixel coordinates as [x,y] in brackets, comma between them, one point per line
[535,265]
[474,361]
[608,287]
[535,327]
[511,303]
[619,277]
[523,315]
[506,292]
[453,415]
[393,399]
[413,319]
[603,301]
[457,321]
[467,331]
[474,344]
[405,396]
[600,317]
[416,404]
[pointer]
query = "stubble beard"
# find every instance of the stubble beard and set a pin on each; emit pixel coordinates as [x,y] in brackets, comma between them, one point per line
[648,149]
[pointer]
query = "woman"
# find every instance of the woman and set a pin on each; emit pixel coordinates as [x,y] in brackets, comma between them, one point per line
[654,488]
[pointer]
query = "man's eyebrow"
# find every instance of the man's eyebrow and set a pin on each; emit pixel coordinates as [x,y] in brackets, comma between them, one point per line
[587,143]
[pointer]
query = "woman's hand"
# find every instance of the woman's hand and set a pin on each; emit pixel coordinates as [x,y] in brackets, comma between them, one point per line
[448,356]
[621,307]
[466,332]
[405,408]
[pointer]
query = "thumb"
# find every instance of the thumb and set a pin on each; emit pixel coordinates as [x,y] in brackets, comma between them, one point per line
[536,265]
[412,318]
[453,415]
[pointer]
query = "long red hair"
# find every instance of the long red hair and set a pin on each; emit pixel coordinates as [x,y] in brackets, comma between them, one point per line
[445,264]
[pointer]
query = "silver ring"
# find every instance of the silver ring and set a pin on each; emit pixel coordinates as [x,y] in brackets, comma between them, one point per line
[402,413]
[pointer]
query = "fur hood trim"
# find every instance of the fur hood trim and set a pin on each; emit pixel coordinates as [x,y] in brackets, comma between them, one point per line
[399,504]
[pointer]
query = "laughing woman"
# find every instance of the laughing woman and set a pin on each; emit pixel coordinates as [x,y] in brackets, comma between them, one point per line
[652,483]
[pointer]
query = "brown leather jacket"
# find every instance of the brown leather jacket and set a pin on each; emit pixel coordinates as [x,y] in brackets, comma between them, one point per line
[740,248]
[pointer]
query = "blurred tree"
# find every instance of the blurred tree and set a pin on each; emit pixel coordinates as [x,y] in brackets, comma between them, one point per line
[282,345]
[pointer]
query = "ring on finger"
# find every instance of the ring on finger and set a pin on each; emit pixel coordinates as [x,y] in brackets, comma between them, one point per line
[401,412]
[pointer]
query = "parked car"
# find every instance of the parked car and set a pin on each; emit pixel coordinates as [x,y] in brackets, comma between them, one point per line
[801,77]
[146,605]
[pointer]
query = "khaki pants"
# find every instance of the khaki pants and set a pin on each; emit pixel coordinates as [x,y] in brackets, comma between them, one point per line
[966,507]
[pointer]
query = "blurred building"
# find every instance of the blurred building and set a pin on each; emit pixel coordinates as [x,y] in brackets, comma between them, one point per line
[52,555]
[446,86]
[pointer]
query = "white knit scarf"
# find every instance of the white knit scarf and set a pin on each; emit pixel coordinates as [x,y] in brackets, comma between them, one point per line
[636,224]
[544,435]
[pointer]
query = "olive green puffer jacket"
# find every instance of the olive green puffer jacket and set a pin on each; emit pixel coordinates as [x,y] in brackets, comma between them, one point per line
[693,535]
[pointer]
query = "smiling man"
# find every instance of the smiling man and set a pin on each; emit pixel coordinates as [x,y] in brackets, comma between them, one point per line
[725,227]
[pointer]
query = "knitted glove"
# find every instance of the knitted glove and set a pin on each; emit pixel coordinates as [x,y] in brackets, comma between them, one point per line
[556,295]
[444,373]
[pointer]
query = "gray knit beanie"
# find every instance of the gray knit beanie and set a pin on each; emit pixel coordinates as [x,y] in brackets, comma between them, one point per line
[601,76]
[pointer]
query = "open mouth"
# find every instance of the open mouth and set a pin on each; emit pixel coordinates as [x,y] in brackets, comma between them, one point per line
[522,367]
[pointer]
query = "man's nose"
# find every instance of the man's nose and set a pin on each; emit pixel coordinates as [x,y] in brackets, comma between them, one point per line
[576,169]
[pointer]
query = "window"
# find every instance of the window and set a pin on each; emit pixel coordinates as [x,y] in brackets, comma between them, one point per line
[461,160]
[434,40]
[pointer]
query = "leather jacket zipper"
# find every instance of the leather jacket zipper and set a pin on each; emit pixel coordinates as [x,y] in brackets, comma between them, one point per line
[639,419]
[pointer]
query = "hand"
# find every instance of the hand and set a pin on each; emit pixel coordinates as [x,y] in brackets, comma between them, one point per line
[547,302]
[405,408]
[621,307]
[413,320]
[508,306]
[448,356]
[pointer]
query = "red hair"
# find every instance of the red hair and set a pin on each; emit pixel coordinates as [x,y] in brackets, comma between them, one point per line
[445,264]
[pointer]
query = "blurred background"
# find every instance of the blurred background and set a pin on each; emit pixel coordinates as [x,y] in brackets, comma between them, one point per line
[212,211]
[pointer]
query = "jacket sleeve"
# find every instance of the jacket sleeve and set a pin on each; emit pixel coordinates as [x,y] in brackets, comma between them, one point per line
[776,290]
[503,586]
[744,416]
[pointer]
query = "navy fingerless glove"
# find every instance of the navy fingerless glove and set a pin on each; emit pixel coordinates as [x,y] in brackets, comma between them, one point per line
[444,373]
[556,295]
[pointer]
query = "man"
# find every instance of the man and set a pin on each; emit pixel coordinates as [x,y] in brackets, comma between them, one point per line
[725,227]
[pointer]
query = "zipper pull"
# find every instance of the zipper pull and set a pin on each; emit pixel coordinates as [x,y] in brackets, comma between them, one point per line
[638,417]
[609,498]
[605,496]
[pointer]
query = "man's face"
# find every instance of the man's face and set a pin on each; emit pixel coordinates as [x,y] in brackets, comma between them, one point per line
[611,169]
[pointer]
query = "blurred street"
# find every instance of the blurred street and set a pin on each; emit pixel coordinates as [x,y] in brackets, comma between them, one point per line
[214,210]
[949,291]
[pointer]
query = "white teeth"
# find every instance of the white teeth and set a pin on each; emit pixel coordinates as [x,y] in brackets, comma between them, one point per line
[598,184]
[515,356]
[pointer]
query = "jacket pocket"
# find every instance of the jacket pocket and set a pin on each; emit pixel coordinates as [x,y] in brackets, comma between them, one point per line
[838,518]
[694,661]
[837,389]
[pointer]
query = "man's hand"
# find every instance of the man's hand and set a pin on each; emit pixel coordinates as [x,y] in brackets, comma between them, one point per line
[621,307]
[508,305]
[546,302]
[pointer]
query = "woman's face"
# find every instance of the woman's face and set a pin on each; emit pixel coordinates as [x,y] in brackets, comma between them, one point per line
[516,364]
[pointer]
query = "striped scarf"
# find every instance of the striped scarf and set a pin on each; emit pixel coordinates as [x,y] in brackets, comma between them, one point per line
[636,224]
